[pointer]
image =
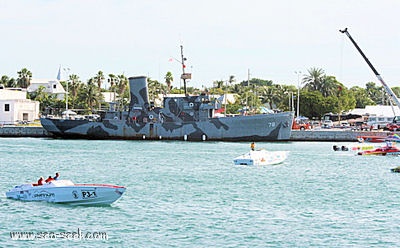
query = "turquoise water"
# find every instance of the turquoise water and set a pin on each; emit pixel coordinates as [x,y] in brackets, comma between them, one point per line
[183,194]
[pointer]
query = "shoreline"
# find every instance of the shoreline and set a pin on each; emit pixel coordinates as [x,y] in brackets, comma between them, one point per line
[297,135]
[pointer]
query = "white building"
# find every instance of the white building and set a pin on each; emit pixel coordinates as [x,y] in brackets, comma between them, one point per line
[14,107]
[52,86]
[378,115]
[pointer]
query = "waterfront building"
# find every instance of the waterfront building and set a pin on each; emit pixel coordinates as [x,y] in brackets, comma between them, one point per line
[52,86]
[15,108]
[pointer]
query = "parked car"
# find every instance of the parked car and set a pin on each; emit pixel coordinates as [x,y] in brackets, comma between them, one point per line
[300,125]
[315,124]
[361,126]
[327,124]
[393,126]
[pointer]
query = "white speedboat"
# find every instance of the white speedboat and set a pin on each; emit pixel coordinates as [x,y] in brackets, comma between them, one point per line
[261,157]
[65,191]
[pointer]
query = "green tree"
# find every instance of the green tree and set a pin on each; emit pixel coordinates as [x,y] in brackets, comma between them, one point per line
[8,82]
[155,88]
[374,92]
[90,95]
[218,84]
[361,96]
[122,90]
[256,81]
[314,80]
[74,86]
[44,98]
[168,80]
[113,81]
[311,104]
[24,78]
[231,79]
[99,78]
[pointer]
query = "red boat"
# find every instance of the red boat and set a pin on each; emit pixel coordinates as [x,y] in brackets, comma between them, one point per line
[373,139]
[389,149]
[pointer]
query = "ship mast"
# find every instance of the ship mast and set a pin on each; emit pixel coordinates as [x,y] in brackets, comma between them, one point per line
[385,86]
[183,76]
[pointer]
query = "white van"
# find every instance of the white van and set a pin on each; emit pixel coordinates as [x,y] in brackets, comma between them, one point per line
[379,122]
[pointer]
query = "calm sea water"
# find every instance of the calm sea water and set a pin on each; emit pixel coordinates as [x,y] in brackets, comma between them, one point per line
[183,194]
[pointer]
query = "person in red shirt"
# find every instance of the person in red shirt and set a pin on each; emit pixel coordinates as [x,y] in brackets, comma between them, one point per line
[40,181]
[49,179]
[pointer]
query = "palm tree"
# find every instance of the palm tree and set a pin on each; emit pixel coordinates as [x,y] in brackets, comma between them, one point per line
[155,88]
[99,79]
[331,86]
[122,90]
[315,79]
[231,79]
[92,93]
[113,80]
[7,82]
[75,85]
[122,84]
[24,78]
[168,80]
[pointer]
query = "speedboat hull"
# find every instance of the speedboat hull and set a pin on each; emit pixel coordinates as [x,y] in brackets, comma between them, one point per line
[261,157]
[381,151]
[371,138]
[64,191]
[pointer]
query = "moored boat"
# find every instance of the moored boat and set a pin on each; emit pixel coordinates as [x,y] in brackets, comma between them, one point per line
[182,118]
[261,157]
[192,118]
[65,191]
[371,138]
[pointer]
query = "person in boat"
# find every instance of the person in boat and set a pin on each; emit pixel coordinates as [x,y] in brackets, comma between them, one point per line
[49,179]
[57,176]
[252,146]
[40,181]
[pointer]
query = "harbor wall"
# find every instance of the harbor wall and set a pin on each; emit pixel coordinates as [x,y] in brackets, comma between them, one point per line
[333,135]
[23,131]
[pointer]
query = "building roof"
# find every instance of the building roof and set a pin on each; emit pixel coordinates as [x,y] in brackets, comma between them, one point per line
[378,110]
[52,85]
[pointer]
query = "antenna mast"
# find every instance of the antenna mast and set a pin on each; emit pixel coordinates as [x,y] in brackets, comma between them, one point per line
[184,75]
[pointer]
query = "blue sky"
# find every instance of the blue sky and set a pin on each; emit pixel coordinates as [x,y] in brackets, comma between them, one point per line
[272,39]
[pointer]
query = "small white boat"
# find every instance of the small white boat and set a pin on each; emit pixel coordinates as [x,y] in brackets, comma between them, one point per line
[261,157]
[65,191]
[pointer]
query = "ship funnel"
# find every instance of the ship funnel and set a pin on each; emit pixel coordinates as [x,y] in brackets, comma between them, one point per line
[139,93]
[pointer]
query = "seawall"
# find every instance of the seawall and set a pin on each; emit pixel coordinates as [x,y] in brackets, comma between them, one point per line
[23,131]
[333,135]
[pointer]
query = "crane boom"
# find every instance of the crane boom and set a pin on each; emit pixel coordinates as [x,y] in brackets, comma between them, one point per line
[388,90]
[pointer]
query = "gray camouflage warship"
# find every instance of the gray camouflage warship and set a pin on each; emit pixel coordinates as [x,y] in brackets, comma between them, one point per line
[181,118]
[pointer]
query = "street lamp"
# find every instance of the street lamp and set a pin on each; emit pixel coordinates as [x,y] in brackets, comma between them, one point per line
[298,91]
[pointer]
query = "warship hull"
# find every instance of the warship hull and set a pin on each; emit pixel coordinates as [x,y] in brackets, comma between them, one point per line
[272,127]
[182,118]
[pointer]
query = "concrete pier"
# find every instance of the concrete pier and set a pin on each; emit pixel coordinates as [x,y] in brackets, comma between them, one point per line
[333,135]
[23,131]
